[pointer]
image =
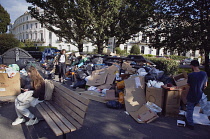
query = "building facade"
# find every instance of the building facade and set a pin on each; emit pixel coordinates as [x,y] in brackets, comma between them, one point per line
[26,27]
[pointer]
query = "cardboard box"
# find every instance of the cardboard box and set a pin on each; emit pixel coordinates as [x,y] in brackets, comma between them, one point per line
[155,95]
[173,97]
[172,110]
[144,115]
[178,78]
[9,86]
[172,102]
[184,92]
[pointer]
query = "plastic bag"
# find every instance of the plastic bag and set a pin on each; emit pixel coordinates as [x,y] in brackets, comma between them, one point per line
[153,107]
[80,84]
[114,104]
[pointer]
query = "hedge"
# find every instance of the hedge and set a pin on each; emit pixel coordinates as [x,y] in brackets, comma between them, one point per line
[170,67]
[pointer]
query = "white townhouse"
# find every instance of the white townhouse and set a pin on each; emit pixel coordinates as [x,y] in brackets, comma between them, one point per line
[26,27]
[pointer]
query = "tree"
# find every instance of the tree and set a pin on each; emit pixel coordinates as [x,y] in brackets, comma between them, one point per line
[7,41]
[80,20]
[4,20]
[133,18]
[119,19]
[135,50]
[66,18]
[182,26]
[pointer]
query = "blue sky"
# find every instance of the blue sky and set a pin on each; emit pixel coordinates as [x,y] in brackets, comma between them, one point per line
[15,8]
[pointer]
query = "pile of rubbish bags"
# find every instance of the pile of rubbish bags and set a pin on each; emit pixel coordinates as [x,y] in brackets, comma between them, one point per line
[118,79]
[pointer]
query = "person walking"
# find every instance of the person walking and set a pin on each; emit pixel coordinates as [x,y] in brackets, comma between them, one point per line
[30,97]
[61,62]
[197,80]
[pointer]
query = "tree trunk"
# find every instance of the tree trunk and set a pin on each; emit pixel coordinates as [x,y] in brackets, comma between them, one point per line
[100,47]
[207,62]
[80,47]
[157,51]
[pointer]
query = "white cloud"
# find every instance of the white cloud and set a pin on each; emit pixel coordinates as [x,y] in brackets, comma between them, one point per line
[15,8]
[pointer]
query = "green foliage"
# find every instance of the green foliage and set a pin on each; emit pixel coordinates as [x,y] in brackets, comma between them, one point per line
[187,70]
[148,55]
[97,20]
[120,52]
[8,41]
[175,57]
[135,50]
[184,25]
[29,43]
[4,19]
[170,67]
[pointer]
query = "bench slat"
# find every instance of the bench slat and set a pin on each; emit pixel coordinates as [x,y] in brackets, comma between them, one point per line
[55,118]
[64,113]
[72,93]
[50,122]
[71,99]
[64,106]
[64,120]
[68,103]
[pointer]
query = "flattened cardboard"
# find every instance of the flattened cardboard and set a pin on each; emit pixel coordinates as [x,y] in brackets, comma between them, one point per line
[98,77]
[9,86]
[134,94]
[104,86]
[111,74]
[155,95]
[144,115]
[179,76]
[110,95]
[93,96]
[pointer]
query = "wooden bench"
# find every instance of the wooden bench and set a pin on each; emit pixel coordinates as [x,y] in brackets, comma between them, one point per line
[65,112]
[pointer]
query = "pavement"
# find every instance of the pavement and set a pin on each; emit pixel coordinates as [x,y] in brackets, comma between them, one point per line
[101,123]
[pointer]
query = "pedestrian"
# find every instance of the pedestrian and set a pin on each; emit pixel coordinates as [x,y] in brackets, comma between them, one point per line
[197,80]
[30,97]
[61,62]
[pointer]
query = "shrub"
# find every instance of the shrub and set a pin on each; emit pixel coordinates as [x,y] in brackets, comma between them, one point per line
[170,67]
[7,41]
[118,50]
[135,50]
[148,55]
[175,57]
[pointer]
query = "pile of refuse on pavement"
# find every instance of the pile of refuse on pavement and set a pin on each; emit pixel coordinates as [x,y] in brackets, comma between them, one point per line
[131,82]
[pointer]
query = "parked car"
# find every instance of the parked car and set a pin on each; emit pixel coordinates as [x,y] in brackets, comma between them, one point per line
[186,61]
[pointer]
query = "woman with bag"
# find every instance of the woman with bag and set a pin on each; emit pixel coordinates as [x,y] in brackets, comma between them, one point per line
[60,60]
[31,97]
